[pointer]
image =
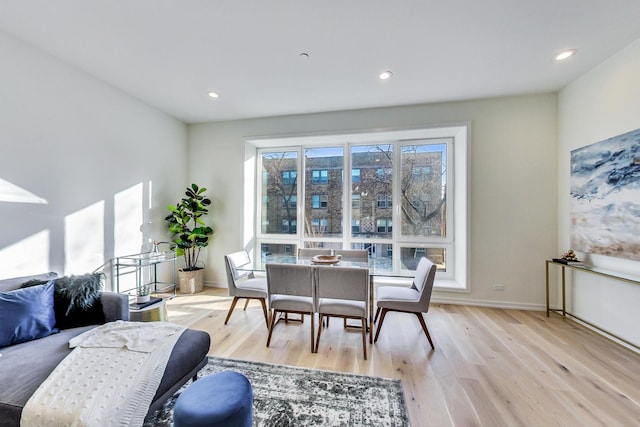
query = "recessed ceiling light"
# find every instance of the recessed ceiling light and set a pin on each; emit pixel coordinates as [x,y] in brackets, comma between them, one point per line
[213,94]
[385,75]
[565,54]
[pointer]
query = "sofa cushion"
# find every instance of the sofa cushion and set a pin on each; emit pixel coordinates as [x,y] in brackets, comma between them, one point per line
[26,314]
[77,300]
[37,359]
[16,282]
[34,360]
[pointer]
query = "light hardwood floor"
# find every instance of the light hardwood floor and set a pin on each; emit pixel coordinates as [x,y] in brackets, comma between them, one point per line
[491,367]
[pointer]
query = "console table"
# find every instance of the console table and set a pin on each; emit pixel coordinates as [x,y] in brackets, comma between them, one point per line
[586,269]
[144,267]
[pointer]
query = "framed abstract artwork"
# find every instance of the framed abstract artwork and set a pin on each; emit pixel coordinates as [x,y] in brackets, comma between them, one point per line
[605,197]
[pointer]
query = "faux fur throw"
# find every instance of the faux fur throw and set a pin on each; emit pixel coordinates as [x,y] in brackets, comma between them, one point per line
[80,291]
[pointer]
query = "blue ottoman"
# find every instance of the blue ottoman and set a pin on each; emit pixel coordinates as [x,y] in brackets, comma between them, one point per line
[223,399]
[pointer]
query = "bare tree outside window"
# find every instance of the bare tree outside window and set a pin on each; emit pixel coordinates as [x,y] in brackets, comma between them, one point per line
[421,195]
[280,186]
[323,192]
[375,178]
[423,190]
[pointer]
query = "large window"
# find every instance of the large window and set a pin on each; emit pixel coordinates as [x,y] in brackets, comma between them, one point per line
[419,184]
[323,210]
[279,183]
[394,200]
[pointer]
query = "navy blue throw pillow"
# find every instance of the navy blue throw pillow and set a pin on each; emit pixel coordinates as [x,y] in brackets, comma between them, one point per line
[27,314]
[76,300]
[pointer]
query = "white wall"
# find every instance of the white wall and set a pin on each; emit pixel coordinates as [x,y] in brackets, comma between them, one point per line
[513,179]
[104,162]
[603,103]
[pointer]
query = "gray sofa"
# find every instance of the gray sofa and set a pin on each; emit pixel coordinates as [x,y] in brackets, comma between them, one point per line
[24,366]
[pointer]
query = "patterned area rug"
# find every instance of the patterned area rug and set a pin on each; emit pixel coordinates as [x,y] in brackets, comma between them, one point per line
[286,396]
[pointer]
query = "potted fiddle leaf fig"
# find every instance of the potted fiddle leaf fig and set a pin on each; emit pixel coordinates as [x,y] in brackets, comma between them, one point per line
[190,234]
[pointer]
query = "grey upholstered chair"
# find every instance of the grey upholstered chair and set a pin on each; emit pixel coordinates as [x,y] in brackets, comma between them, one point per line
[360,255]
[291,288]
[355,255]
[243,284]
[409,300]
[308,253]
[343,292]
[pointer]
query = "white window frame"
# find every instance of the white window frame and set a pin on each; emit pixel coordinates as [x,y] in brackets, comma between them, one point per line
[456,242]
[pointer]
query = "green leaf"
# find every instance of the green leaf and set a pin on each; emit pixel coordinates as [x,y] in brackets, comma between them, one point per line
[189,231]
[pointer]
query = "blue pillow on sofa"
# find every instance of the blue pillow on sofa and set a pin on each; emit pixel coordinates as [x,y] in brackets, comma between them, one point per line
[26,314]
[76,300]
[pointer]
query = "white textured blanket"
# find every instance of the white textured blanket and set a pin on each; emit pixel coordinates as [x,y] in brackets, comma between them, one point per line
[109,379]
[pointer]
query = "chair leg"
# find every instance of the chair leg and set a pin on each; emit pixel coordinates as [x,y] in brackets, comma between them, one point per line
[264,310]
[313,334]
[424,328]
[384,313]
[274,314]
[246,303]
[364,337]
[320,320]
[233,305]
[375,319]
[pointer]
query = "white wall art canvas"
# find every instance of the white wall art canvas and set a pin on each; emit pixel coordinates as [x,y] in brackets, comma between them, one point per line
[605,197]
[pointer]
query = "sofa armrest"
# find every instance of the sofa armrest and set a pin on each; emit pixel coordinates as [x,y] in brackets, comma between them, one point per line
[115,306]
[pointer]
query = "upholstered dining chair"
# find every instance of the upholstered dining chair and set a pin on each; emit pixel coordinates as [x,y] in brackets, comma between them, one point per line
[343,292]
[308,253]
[408,300]
[359,255]
[291,288]
[356,255]
[244,284]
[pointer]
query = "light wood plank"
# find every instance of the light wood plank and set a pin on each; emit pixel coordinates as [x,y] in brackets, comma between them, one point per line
[490,367]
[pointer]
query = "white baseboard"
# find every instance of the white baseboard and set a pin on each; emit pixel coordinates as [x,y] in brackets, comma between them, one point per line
[215,285]
[459,301]
[510,305]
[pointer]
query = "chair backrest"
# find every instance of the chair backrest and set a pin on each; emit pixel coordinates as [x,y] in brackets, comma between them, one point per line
[308,253]
[348,283]
[360,255]
[232,263]
[423,281]
[290,279]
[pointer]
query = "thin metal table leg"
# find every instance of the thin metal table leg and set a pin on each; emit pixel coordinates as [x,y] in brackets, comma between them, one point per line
[564,308]
[370,309]
[547,276]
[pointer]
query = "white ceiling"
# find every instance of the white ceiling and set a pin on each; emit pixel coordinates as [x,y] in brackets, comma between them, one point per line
[170,53]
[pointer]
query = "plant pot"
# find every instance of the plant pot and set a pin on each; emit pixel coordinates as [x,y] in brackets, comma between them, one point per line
[142,298]
[190,282]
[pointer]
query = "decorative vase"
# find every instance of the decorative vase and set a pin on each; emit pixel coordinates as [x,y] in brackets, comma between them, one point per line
[142,298]
[191,281]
